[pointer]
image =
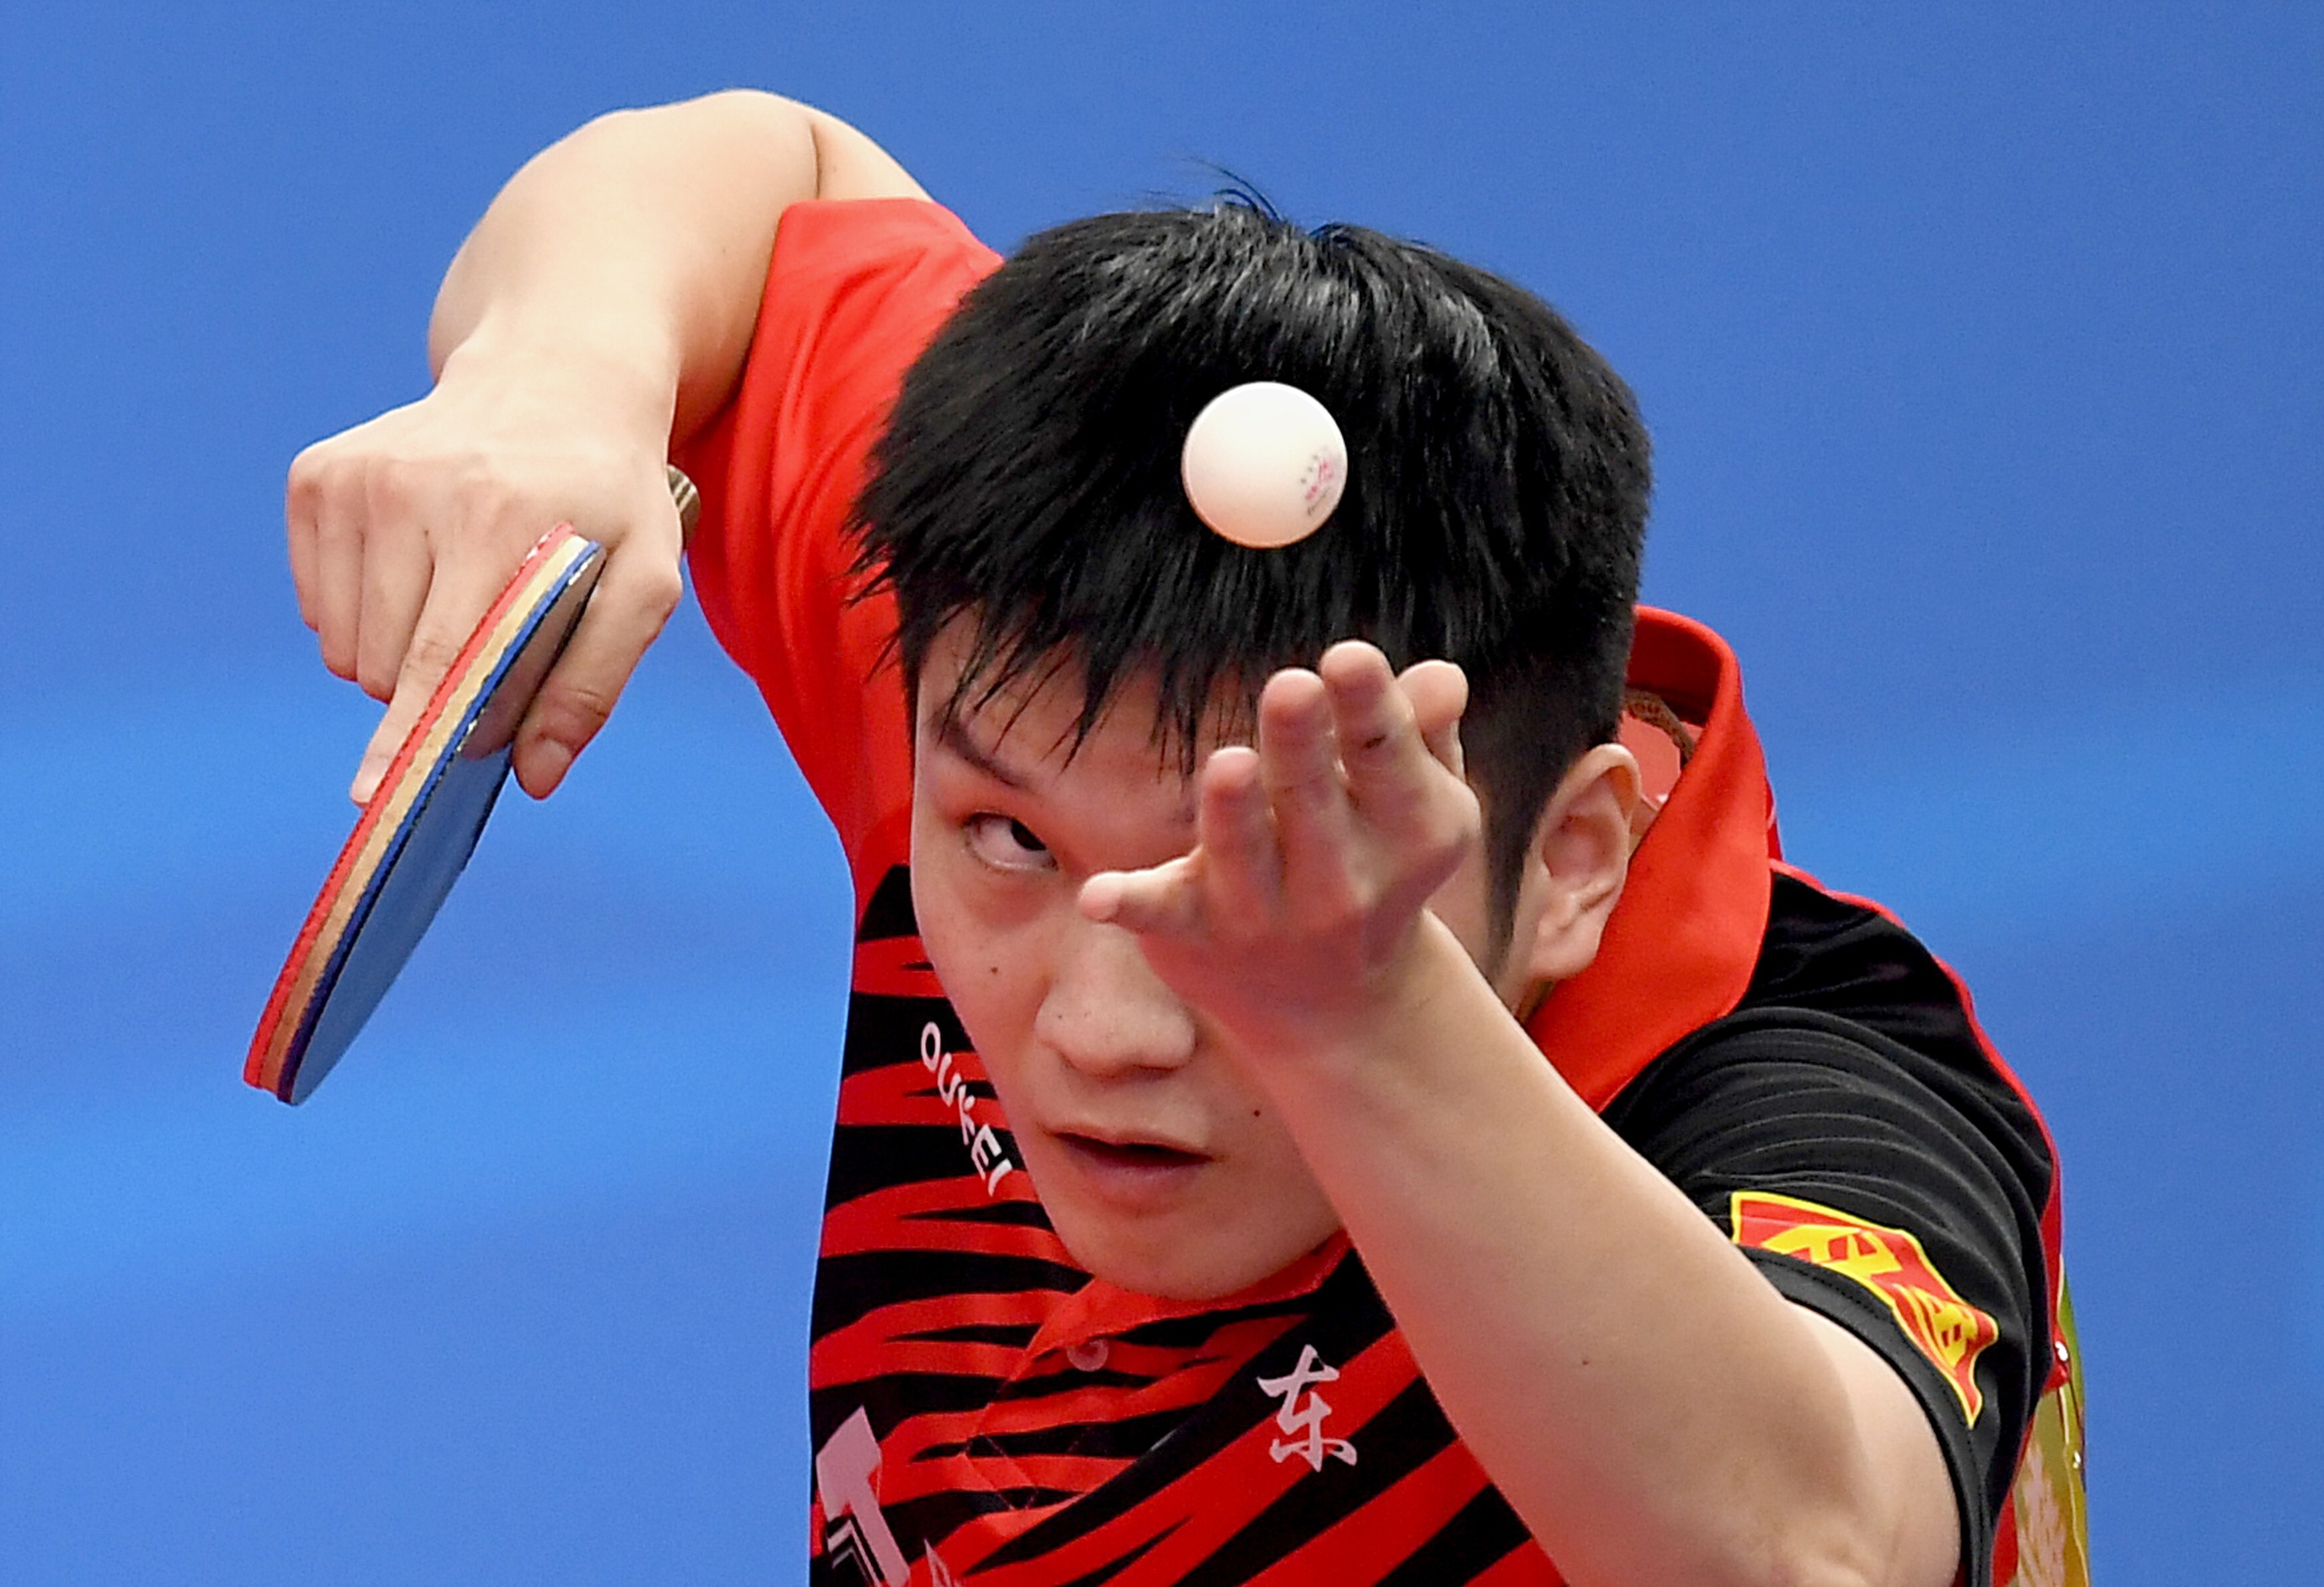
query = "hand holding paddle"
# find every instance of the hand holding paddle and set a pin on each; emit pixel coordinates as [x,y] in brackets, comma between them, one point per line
[404,529]
[404,534]
[421,820]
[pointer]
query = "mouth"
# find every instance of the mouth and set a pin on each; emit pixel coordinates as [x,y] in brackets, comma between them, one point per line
[1136,1173]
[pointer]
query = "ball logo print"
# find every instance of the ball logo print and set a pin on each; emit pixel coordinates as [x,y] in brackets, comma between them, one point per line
[1264,464]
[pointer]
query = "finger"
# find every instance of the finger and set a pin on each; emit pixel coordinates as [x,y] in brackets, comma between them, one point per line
[1300,770]
[634,598]
[1163,900]
[396,574]
[337,571]
[455,601]
[1242,865]
[1439,693]
[1388,767]
[302,500]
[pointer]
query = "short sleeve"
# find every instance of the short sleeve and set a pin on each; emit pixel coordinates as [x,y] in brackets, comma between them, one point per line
[1886,1188]
[855,291]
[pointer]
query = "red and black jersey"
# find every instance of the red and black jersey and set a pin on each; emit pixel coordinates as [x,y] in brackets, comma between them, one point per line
[984,1410]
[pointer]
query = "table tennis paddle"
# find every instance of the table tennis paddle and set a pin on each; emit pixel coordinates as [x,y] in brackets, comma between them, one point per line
[420,824]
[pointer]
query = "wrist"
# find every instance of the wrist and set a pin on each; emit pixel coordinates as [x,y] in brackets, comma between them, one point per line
[622,377]
[1421,1009]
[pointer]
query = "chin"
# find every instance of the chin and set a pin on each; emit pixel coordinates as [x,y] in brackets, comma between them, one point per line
[1179,1265]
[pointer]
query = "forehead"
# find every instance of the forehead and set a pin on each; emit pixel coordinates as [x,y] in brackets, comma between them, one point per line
[1033,722]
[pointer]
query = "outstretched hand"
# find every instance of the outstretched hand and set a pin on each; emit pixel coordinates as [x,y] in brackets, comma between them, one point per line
[402,530]
[1316,851]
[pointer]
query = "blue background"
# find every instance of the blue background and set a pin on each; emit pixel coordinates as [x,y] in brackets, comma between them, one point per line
[1982,355]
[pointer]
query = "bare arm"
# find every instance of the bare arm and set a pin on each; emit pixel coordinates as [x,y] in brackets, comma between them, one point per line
[643,238]
[1651,1406]
[1645,1398]
[601,310]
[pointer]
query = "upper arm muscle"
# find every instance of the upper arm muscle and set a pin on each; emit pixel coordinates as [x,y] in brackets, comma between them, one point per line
[1907,1468]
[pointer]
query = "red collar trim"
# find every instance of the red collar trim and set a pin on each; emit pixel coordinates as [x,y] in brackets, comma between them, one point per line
[1680,947]
[1098,1309]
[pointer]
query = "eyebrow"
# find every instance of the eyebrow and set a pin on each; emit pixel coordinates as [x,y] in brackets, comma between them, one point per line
[953,735]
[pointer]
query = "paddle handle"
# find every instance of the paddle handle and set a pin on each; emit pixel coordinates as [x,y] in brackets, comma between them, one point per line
[688,501]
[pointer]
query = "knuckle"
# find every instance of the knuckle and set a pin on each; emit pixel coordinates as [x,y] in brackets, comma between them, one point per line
[384,486]
[1451,833]
[303,485]
[431,656]
[1310,789]
[1380,747]
[487,496]
[317,459]
[1233,842]
[411,485]
[338,508]
[658,589]
[1298,802]
[571,711]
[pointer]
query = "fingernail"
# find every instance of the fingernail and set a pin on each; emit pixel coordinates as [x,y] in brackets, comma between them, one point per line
[547,762]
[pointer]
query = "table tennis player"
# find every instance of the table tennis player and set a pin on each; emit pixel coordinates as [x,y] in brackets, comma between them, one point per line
[1338,1086]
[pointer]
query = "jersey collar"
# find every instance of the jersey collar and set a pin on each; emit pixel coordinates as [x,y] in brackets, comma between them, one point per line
[1680,947]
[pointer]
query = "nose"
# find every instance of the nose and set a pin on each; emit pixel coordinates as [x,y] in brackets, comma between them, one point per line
[1106,1012]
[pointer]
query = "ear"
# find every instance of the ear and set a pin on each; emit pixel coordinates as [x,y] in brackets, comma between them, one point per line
[1574,871]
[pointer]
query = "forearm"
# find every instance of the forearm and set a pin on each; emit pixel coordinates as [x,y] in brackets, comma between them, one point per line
[601,311]
[636,248]
[1652,1407]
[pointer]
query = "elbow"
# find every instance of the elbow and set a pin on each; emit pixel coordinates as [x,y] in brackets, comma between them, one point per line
[1837,1547]
[1847,1547]
[735,117]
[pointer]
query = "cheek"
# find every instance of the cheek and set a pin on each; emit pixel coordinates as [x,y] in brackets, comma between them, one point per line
[1274,1190]
[1266,1215]
[1290,1189]
[985,959]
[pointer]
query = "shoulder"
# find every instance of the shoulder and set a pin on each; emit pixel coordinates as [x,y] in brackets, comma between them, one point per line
[855,288]
[1849,1128]
[863,281]
[1848,1012]
[874,229]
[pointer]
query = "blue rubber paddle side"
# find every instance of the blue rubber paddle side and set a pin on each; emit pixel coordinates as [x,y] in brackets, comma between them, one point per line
[432,844]
[400,905]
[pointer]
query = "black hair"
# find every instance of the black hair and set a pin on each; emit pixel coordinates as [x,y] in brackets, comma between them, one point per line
[1027,481]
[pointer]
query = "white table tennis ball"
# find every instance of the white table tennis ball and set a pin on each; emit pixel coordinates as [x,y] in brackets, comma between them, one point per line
[1264,464]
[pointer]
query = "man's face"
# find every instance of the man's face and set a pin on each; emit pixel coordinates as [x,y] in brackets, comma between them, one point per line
[1163,1167]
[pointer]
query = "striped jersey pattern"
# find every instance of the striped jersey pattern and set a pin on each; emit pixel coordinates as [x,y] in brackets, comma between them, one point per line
[979,1403]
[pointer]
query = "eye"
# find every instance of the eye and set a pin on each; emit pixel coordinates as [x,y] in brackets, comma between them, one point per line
[1006,844]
